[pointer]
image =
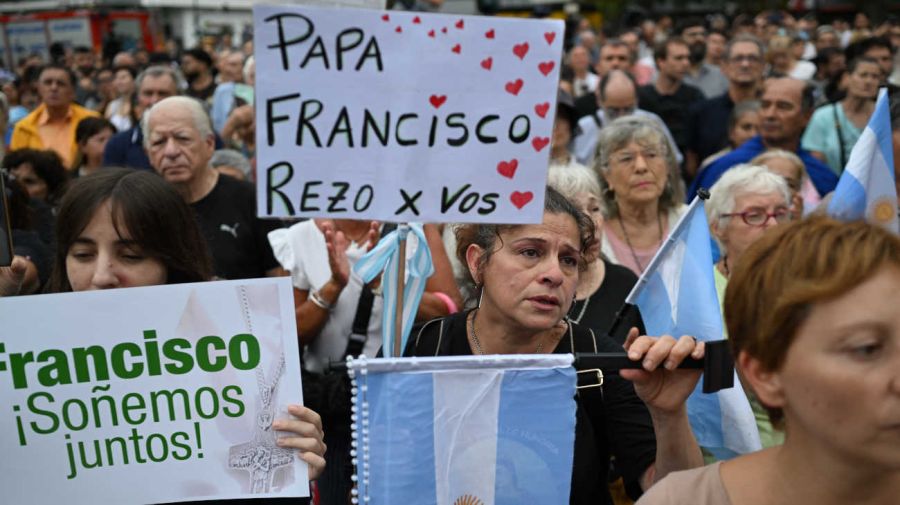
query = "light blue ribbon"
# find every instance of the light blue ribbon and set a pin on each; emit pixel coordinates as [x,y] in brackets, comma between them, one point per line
[386,257]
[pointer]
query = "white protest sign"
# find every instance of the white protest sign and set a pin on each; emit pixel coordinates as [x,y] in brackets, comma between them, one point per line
[403,116]
[361,4]
[149,395]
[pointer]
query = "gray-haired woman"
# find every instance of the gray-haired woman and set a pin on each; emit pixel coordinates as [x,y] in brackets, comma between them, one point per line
[743,205]
[641,190]
[603,285]
[745,202]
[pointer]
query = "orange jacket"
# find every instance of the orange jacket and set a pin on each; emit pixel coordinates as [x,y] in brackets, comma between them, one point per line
[26,133]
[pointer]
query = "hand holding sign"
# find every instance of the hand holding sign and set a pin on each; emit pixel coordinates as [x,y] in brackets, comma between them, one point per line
[396,117]
[304,434]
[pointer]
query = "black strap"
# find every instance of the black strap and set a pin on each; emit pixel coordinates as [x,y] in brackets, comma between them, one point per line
[837,126]
[360,331]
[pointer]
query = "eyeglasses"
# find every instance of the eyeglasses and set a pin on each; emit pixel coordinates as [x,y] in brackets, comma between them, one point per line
[628,158]
[611,113]
[759,217]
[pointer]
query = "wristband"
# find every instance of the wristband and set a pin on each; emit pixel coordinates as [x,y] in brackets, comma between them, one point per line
[451,306]
[320,302]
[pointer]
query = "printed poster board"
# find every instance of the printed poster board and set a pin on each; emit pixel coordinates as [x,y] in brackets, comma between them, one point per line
[149,395]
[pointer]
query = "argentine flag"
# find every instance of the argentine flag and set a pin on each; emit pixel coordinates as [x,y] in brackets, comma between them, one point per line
[866,188]
[464,430]
[677,296]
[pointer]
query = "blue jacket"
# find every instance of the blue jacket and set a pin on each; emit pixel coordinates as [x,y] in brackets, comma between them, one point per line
[821,176]
[126,149]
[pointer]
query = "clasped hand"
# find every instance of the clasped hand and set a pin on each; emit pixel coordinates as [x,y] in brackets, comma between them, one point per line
[337,243]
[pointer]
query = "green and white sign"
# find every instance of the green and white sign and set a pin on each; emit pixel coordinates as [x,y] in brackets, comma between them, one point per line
[149,395]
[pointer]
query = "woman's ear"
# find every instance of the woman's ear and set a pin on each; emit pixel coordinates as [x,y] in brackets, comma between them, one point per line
[765,384]
[473,261]
[716,231]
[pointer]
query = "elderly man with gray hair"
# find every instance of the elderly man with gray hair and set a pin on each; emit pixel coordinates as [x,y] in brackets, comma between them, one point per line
[179,140]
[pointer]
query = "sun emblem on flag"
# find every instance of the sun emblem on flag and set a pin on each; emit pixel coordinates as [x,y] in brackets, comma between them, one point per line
[468,499]
[883,211]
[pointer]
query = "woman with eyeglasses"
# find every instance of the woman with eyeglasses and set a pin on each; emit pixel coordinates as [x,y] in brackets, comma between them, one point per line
[743,205]
[640,188]
[745,202]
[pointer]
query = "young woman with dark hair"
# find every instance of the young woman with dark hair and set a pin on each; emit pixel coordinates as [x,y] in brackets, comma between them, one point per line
[91,135]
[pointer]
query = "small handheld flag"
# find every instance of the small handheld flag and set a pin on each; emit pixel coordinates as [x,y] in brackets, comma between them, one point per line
[866,189]
[677,296]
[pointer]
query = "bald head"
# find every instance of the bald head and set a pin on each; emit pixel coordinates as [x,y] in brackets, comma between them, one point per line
[618,94]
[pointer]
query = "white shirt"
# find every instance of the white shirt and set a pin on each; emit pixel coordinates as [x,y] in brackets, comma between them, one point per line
[301,250]
[586,141]
[585,86]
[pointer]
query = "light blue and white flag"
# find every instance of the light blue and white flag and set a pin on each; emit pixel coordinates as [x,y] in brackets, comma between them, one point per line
[385,257]
[866,189]
[677,296]
[464,430]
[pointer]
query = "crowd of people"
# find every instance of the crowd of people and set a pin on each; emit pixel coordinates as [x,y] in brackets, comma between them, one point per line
[138,171]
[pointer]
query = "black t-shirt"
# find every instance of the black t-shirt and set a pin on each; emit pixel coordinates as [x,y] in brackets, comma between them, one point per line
[673,109]
[586,105]
[708,133]
[202,94]
[237,239]
[610,420]
[598,311]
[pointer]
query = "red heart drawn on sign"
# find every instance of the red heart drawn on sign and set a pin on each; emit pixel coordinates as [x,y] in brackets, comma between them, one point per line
[431,34]
[539,143]
[460,24]
[521,199]
[542,108]
[385,18]
[508,168]
[457,48]
[486,63]
[546,67]
[521,50]
[549,36]
[417,20]
[437,100]
[489,34]
[514,86]
[444,30]
[399,29]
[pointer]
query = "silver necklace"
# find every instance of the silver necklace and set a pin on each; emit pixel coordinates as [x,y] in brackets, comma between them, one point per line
[582,311]
[628,240]
[478,349]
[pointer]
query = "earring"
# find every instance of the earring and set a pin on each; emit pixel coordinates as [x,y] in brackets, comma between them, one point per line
[480,296]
